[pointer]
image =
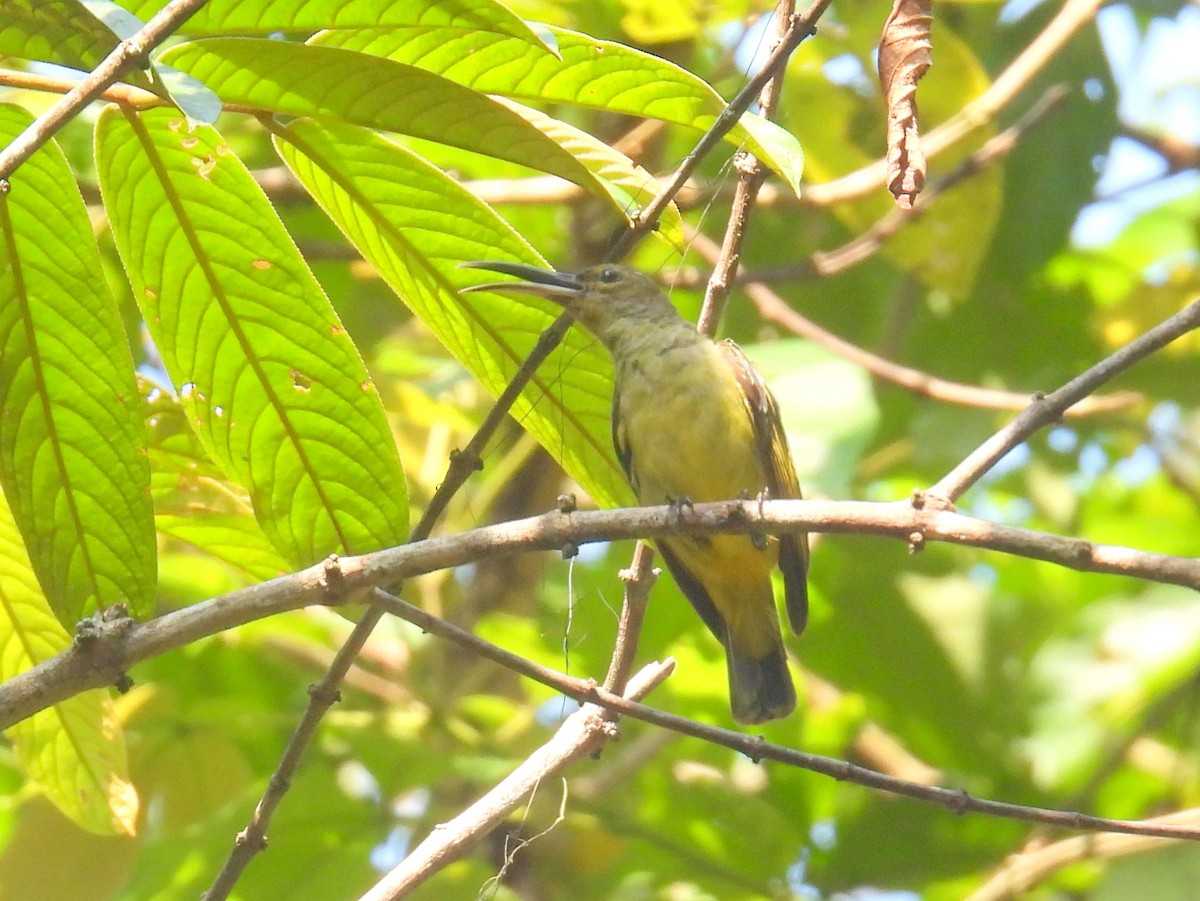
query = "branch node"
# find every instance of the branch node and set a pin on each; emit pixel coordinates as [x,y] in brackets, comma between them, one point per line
[931,501]
[745,164]
[960,801]
[567,503]
[916,542]
[326,696]
[136,52]
[334,580]
[570,549]
[123,683]
[112,622]
[750,752]
[678,504]
[244,837]
[465,462]
[5,186]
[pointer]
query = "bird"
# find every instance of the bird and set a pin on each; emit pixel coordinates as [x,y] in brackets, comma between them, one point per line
[692,422]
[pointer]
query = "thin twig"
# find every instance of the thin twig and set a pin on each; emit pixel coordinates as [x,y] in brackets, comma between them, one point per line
[639,578]
[757,748]
[1050,408]
[124,56]
[798,28]
[775,309]
[107,655]
[581,735]
[751,175]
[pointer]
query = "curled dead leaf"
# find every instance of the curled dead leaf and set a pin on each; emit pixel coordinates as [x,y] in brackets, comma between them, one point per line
[904,57]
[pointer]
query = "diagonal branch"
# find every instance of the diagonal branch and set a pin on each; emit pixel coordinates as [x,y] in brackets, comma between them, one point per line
[751,175]
[581,735]
[1073,15]
[757,749]
[1048,408]
[324,694]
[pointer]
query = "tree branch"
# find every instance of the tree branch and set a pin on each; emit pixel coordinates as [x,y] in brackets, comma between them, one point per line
[1023,871]
[1050,407]
[871,241]
[757,749]
[325,694]
[112,648]
[581,735]
[775,309]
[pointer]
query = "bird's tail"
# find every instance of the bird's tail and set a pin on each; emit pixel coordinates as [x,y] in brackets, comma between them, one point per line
[760,688]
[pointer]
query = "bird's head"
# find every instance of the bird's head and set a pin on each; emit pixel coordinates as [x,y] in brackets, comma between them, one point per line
[606,299]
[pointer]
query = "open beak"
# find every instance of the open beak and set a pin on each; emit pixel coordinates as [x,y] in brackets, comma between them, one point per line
[542,282]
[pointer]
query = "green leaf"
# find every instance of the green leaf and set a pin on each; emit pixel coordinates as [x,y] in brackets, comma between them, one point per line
[327,83]
[592,73]
[74,750]
[195,505]
[116,18]
[55,31]
[415,224]
[74,33]
[72,460]
[629,186]
[239,17]
[269,378]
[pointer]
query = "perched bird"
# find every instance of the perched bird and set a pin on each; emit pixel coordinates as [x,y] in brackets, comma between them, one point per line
[693,421]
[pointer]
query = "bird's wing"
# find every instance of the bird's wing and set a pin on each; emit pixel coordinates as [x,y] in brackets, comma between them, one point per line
[773,450]
[620,440]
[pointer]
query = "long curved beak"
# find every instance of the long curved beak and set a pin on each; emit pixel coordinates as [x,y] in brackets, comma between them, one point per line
[541,282]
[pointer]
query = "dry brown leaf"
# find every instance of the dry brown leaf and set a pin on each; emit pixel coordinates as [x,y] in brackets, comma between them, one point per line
[904,56]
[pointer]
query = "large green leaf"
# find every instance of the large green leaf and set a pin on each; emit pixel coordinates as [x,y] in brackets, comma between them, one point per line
[55,31]
[591,73]
[195,505]
[81,33]
[269,378]
[328,83]
[415,225]
[239,17]
[72,461]
[629,186]
[73,750]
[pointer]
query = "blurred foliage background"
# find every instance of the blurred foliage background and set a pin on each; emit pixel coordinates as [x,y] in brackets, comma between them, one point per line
[1009,678]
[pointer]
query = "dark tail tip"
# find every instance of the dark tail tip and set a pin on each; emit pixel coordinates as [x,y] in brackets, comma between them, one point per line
[760,688]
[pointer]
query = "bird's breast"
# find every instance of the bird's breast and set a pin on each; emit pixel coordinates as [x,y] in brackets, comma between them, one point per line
[686,425]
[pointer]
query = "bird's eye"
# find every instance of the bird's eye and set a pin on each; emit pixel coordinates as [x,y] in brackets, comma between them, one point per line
[609,276]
